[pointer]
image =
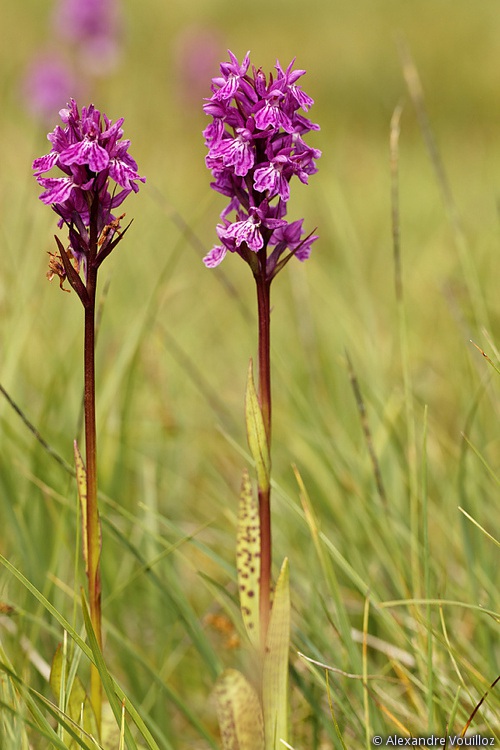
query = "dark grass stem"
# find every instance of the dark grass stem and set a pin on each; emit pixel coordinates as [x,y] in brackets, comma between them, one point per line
[466,258]
[411,448]
[365,426]
[36,434]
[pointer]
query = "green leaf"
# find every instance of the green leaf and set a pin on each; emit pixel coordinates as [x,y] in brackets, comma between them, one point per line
[81,483]
[76,705]
[248,559]
[256,433]
[275,670]
[58,674]
[239,712]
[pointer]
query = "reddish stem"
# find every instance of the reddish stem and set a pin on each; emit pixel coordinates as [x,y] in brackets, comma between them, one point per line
[264,310]
[93,551]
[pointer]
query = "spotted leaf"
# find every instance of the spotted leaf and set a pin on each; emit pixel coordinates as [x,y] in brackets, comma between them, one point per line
[248,559]
[239,712]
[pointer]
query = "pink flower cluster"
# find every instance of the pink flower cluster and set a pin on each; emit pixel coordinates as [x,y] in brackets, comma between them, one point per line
[89,152]
[255,146]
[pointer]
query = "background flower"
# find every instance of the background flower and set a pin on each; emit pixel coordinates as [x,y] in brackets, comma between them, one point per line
[48,84]
[95,27]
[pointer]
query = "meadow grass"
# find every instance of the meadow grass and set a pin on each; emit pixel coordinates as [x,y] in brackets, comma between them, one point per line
[385,448]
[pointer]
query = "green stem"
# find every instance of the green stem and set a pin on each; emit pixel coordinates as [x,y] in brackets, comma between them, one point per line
[264,310]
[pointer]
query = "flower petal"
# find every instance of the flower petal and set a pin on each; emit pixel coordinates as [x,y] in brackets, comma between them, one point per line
[58,189]
[215,256]
[86,152]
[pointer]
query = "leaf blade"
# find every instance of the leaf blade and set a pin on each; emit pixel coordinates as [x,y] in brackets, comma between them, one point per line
[239,712]
[256,433]
[81,484]
[275,668]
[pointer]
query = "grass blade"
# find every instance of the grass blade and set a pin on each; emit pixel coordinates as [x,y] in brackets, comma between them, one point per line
[275,670]
[89,653]
[107,682]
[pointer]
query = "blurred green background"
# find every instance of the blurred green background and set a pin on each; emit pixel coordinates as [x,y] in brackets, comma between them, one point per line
[354,73]
[175,340]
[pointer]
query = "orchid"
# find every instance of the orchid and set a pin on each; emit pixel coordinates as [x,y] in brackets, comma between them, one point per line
[91,154]
[255,146]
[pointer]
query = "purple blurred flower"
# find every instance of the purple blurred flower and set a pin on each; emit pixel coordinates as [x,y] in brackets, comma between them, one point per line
[95,26]
[47,85]
[196,52]
[255,146]
[89,152]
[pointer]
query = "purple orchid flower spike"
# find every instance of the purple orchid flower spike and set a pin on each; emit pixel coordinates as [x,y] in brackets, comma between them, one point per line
[90,153]
[255,146]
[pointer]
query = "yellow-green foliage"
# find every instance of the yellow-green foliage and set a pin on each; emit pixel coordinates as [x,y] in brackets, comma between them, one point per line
[275,670]
[256,433]
[239,712]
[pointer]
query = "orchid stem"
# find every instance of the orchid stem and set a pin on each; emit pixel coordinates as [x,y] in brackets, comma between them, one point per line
[93,536]
[264,309]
